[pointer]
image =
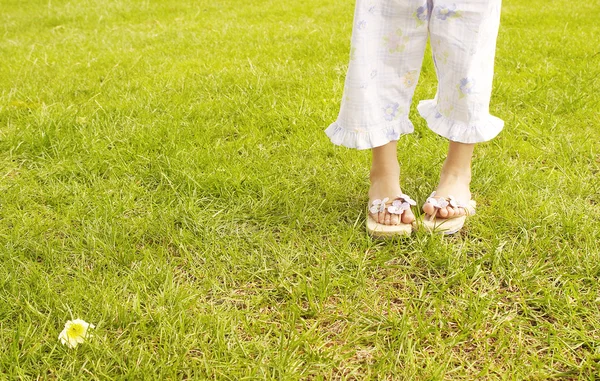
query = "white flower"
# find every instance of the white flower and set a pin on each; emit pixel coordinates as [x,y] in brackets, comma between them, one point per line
[406,198]
[398,207]
[437,203]
[74,333]
[453,202]
[378,205]
[442,203]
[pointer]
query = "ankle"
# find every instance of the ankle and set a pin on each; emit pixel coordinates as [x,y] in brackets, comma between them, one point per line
[463,177]
[460,173]
[387,170]
[457,184]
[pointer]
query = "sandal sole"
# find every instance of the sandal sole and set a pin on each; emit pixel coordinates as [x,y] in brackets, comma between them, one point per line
[447,226]
[378,230]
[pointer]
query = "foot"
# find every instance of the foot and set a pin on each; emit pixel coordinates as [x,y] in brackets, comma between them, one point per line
[455,184]
[386,185]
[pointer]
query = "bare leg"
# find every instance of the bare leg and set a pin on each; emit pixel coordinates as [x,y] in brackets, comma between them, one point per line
[385,182]
[454,179]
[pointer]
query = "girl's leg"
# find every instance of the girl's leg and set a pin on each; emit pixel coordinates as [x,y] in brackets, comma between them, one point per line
[384,176]
[463,41]
[454,179]
[388,43]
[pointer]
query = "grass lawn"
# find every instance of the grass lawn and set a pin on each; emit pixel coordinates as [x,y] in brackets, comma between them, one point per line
[164,175]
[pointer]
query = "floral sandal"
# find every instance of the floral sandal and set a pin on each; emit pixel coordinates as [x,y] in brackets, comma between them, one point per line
[447,225]
[396,206]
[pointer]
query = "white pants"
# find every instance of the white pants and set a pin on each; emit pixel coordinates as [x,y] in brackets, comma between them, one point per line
[388,44]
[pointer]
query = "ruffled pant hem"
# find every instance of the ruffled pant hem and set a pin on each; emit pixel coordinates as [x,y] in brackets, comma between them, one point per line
[372,137]
[482,130]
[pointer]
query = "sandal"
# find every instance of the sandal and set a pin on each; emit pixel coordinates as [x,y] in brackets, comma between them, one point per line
[396,206]
[449,225]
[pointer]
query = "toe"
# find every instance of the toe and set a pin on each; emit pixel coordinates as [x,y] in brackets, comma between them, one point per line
[387,219]
[443,212]
[428,209]
[381,217]
[395,219]
[408,216]
[450,211]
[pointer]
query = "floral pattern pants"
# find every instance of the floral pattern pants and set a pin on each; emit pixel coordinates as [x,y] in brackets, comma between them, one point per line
[388,45]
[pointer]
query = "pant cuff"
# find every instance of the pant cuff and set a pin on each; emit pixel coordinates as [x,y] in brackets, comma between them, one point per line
[483,129]
[368,137]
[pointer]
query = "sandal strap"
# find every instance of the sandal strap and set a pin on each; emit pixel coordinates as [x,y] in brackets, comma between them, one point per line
[442,202]
[398,205]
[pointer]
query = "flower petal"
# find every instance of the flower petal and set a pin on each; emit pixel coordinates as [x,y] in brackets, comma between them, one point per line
[433,202]
[409,200]
[394,209]
[72,343]
[63,337]
[452,201]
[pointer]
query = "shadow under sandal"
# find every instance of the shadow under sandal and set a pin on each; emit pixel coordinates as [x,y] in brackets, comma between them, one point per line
[448,225]
[396,206]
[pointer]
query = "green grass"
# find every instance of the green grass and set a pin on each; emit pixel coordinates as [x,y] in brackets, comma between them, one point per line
[164,175]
